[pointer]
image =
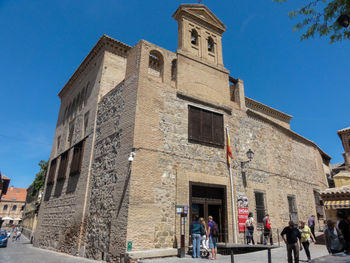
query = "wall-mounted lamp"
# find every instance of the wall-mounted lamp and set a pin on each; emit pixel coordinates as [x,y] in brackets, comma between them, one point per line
[131,156]
[250,156]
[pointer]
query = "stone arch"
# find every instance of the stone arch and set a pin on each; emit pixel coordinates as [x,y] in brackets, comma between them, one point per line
[210,44]
[155,63]
[194,37]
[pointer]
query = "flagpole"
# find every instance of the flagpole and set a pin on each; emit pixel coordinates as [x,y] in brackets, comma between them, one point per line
[232,197]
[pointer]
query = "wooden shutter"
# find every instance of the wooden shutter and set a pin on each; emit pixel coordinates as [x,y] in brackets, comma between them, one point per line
[63,166]
[207,126]
[51,178]
[77,158]
[218,129]
[194,123]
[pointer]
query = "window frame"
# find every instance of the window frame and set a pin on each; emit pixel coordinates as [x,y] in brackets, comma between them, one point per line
[262,208]
[202,123]
[52,171]
[77,159]
[62,169]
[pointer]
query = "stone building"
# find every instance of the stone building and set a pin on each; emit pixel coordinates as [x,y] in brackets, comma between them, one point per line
[4,184]
[170,109]
[11,205]
[338,198]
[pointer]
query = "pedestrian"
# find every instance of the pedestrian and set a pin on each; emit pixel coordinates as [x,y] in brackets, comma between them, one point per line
[344,227]
[292,241]
[196,228]
[18,235]
[267,230]
[306,237]
[213,234]
[249,223]
[311,224]
[205,241]
[333,238]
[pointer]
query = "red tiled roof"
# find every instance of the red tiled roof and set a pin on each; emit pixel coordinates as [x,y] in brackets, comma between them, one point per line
[15,194]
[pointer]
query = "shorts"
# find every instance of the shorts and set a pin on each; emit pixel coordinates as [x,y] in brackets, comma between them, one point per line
[212,242]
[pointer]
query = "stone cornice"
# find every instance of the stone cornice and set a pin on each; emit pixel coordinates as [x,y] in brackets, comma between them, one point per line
[104,43]
[258,106]
[288,132]
[189,10]
[211,104]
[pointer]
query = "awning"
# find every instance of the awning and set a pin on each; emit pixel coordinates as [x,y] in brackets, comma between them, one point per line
[340,204]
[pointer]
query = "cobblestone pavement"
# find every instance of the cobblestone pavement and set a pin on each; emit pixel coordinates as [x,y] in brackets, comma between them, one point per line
[279,255]
[24,252]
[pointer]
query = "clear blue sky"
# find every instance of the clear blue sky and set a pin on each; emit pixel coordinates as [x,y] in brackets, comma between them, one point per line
[43,42]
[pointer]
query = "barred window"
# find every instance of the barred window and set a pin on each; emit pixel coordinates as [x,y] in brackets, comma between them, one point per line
[78,150]
[260,206]
[52,172]
[63,166]
[205,126]
[293,212]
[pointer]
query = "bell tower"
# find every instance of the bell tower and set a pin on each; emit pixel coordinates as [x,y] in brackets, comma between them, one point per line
[199,33]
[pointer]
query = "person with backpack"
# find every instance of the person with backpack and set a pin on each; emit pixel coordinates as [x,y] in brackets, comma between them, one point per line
[213,232]
[267,229]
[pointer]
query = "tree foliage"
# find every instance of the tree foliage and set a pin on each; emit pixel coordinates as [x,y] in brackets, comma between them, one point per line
[38,183]
[320,17]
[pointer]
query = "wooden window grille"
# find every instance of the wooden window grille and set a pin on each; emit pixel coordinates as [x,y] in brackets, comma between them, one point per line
[52,172]
[205,126]
[260,206]
[78,150]
[293,212]
[63,166]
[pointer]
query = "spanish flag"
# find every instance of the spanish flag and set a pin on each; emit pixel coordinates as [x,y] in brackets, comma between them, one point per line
[229,150]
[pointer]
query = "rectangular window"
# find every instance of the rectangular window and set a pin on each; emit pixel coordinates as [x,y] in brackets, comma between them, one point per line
[205,126]
[260,206]
[293,212]
[70,132]
[63,166]
[318,204]
[78,150]
[52,172]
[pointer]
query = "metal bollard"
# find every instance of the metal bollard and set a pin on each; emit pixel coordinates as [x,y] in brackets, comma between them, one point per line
[232,256]
[269,260]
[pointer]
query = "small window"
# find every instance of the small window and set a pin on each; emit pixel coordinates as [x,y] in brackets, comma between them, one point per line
[293,212]
[194,37]
[52,172]
[71,132]
[14,208]
[63,166]
[75,167]
[205,126]
[5,208]
[210,44]
[173,69]
[260,206]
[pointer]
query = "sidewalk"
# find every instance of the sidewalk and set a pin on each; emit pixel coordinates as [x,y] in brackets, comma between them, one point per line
[279,255]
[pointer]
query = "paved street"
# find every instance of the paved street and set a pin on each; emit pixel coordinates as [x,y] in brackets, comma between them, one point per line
[24,252]
[278,256]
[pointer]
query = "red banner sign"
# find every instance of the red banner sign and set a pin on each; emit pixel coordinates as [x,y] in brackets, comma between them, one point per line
[242,217]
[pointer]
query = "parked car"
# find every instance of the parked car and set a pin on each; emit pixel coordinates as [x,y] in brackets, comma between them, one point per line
[3,238]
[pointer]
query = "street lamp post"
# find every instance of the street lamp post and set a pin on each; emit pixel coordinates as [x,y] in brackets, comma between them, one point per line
[250,155]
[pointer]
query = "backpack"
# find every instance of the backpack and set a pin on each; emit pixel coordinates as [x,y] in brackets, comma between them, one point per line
[215,230]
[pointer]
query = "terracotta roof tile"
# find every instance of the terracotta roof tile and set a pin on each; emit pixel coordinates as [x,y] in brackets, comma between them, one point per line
[15,194]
